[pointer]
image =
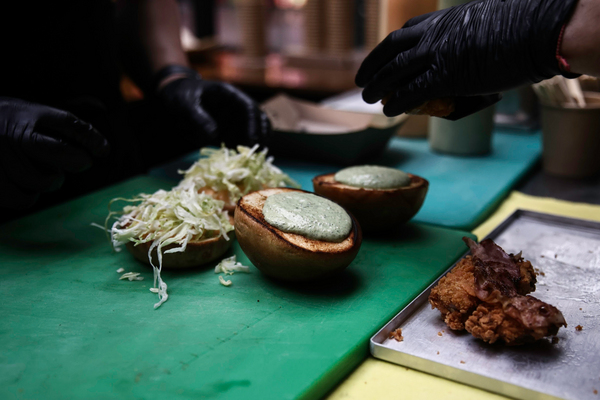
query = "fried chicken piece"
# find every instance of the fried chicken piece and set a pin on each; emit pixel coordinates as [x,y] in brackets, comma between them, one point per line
[491,322]
[455,295]
[486,295]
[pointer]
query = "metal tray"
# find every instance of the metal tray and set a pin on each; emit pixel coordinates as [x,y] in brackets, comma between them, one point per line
[567,254]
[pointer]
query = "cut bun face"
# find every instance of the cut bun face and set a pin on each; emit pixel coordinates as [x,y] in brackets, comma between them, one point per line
[289,256]
[377,210]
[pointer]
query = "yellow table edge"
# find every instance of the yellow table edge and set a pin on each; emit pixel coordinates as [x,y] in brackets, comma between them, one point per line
[376,379]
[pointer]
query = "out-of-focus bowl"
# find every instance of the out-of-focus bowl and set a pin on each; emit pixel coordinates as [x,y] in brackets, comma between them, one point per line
[307,131]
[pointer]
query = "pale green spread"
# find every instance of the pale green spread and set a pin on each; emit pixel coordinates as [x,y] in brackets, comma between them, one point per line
[308,215]
[373,177]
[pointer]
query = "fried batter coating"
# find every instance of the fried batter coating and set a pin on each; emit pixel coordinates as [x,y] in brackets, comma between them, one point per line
[490,323]
[455,296]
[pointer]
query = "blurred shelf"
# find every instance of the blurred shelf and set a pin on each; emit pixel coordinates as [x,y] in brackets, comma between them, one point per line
[273,74]
[262,78]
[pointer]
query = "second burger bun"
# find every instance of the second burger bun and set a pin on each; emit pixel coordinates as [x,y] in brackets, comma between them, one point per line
[289,256]
[435,108]
[377,210]
[196,252]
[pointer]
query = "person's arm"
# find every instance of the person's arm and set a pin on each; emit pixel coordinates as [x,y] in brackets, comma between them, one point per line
[206,112]
[149,38]
[38,146]
[581,39]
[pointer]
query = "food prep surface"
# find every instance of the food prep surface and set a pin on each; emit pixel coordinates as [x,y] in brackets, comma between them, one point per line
[72,329]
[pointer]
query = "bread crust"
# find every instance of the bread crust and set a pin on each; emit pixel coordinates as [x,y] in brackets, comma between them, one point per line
[195,254]
[289,256]
[435,108]
[377,210]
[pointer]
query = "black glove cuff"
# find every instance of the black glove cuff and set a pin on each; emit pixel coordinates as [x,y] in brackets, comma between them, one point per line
[169,70]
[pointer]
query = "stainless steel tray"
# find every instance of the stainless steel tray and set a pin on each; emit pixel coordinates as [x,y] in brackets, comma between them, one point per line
[567,252]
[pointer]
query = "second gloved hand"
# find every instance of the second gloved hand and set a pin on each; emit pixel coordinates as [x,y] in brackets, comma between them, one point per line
[213,112]
[479,48]
[38,144]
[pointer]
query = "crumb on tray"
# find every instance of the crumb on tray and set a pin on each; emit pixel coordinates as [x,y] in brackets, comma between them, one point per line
[579,328]
[397,334]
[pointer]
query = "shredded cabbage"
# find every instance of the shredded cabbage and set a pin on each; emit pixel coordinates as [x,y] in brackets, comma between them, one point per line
[229,266]
[224,282]
[132,276]
[165,218]
[237,172]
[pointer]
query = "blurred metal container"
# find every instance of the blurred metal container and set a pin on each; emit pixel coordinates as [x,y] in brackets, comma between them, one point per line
[314,25]
[471,135]
[252,20]
[339,23]
[571,138]
[450,3]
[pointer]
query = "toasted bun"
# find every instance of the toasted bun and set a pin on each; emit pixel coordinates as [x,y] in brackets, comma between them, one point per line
[289,256]
[435,108]
[375,209]
[195,254]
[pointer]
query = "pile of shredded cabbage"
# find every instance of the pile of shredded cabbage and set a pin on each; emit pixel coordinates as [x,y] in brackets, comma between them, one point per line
[165,218]
[239,172]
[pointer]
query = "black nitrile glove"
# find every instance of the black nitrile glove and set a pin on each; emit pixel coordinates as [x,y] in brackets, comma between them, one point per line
[38,144]
[479,48]
[212,112]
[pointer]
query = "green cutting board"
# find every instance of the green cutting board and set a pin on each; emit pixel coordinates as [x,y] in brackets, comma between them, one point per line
[71,329]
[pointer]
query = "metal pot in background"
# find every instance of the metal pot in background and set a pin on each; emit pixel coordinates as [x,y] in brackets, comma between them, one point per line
[471,135]
[571,138]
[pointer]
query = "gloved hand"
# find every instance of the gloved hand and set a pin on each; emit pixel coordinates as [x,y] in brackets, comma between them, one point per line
[38,144]
[479,48]
[212,112]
